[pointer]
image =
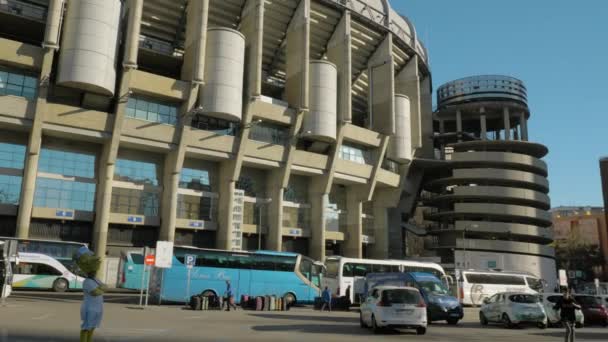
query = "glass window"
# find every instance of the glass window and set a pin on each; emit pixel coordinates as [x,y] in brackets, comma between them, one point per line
[36,269]
[196,208]
[12,156]
[332,268]
[195,179]
[269,133]
[136,171]
[135,202]
[151,110]
[495,279]
[524,298]
[248,185]
[10,189]
[66,163]
[218,126]
[305,267]
[17,84]
[295,217]
[58,193]
[137,259]
[356,270]
[400,296]
[357,154]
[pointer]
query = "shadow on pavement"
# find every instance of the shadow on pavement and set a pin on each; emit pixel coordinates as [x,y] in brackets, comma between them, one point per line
[313,329]
[329,318]
[603,336]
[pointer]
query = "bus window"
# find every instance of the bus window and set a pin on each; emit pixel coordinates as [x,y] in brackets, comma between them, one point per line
[381,268]
[494,279]
[535,284]
[361,270]
[138,259]
[305,266]
[332,268]
[285,264]
[316,275]
[347,270]
[36,269]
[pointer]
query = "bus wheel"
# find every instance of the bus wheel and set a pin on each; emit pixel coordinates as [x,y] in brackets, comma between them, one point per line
[60,285]
[289,298]
[208,293]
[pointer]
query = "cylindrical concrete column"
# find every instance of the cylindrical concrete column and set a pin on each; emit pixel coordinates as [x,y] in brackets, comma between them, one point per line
[523,126]
[507,121]
[483,124]
[222,94]
[29,186]
[400,148]
[198,12]
[53,23]
[133,30]
[320,121]
[459,124]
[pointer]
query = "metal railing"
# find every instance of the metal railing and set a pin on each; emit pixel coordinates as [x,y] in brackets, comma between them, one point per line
[23,9]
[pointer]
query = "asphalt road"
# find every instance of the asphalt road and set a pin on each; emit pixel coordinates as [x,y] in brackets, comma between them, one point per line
[36,316]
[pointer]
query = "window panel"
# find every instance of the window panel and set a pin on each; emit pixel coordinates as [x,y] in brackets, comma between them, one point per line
[17,84]
[195,179]
[55,193]
[12,156]
[197,208]
[136,171]
[135,202]
[151,110]
[10,189]
[67,163]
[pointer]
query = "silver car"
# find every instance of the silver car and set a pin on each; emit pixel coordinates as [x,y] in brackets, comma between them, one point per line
[553,316]
[513,309]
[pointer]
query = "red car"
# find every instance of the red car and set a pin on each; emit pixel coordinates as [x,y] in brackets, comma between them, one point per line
[593,309]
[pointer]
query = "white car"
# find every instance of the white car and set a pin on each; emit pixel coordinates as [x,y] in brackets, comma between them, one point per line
[553,316]
[512,309]
[394,307]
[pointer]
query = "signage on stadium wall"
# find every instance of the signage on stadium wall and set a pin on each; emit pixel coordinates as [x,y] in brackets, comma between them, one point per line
[236,233]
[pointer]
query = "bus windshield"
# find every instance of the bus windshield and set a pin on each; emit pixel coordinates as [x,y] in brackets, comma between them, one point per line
[535,284]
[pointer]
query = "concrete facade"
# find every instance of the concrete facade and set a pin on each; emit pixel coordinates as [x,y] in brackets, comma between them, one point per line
[164,158]
[486,197]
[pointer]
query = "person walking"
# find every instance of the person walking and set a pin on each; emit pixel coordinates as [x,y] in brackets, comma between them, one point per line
[229,297]
[568,306]
[326,297]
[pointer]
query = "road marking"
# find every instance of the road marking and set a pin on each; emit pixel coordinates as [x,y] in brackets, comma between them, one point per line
[45,316]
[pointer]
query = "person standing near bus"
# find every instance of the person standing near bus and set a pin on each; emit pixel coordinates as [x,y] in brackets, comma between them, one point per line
[568,306]
[326,297]
[229,297]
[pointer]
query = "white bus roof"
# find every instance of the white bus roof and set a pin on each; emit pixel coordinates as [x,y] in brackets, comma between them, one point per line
[385,262]
[498,272]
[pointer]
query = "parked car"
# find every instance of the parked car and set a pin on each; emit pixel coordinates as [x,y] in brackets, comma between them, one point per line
[441,305]
[553,316]
[513,309]
[394,307]
[593,309]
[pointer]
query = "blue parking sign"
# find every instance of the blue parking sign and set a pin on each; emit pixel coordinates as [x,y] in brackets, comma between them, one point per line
[190,260]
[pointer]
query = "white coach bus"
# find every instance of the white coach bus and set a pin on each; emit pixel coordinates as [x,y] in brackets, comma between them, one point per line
[475,285]
[341,272]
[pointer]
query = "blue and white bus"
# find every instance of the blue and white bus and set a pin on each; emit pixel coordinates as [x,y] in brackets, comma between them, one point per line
[131,270]
[292,276]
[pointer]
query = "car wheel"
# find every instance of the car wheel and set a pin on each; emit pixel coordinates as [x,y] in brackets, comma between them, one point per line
[361,322]
[375,328]
[420,331]
[506,321]
[542,326]
[452,321]
[482,319]
[290,299]
[60,285]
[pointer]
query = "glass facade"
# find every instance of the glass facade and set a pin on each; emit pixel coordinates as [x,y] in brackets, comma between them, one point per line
[218,126]
[66,163]
[136,171]
[296,217]
[12,156]
[17,84]
[269,133]
[58,193]
[152,110]
[195,179]
[135,202]
[196,208]
[357,154]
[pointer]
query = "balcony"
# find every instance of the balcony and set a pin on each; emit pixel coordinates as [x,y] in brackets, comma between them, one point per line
[23,9]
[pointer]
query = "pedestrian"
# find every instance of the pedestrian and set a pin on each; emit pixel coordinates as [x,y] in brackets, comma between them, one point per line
[91,310]
[568,306]
[229,297]
[326,297]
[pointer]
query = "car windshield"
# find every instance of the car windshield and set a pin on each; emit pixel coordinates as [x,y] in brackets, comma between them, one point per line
[434,287]
[587,300]
[524,298]
[400,296]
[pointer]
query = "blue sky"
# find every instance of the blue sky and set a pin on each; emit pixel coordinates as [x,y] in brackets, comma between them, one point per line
[559,48]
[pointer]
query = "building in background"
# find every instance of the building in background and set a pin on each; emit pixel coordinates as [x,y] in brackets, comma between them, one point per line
[240,124]
[486,198]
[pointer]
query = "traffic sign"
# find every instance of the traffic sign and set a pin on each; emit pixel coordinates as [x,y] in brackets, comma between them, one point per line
[164,254]
[190,260]
[149,260]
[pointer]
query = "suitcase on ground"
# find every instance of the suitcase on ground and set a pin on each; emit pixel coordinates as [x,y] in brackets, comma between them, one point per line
[205,303]
[195,302]
[278,304]
[259,303]
[244,300]
[272,303]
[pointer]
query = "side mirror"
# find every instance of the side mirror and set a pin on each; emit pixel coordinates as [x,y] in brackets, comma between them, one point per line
[486,300]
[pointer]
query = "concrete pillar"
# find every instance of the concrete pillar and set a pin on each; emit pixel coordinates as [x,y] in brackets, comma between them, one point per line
[339,52]
[482,122]
[379,250]
[319,200]
[133,30]
[298,57]
[252,27]
[53,24]
[353,242]
[226,191]
[459,125]
[426,119]
[381,89]
[274,189]
[171,174]
[441,126]
[523,126]
[30,172]
[507,121]
[197,14]
[408,83]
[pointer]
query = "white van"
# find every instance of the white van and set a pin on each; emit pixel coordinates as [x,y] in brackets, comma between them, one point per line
[476,285]
[40,271]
